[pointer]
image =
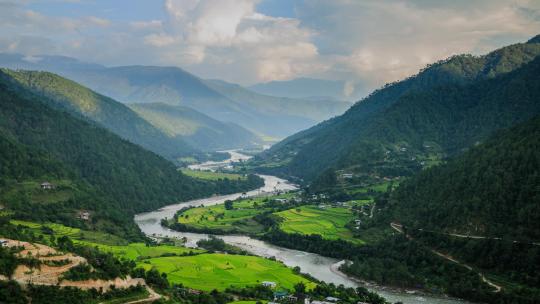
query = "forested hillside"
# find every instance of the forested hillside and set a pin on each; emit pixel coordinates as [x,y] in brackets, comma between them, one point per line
[492,190]
[395,131]
[197,129]
[90,167]
[65,94]
[264,115]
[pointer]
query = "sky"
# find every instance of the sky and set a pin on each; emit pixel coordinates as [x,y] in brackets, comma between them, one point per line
[252,41]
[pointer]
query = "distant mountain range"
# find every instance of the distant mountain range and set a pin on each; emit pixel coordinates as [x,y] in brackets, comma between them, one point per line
[311,88]
[179,143]
[263,115]
[195,128]
[447,107]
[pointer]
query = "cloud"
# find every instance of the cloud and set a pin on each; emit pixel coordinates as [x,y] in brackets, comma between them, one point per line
[383,41]
[360,42]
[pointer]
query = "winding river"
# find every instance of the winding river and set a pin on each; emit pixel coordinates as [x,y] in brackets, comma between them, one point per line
[322,268]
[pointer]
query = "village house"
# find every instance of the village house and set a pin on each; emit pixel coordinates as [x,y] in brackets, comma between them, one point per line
[84,215]
[331,299]
[269,284]
[347,175]
[47,186]
[3,243]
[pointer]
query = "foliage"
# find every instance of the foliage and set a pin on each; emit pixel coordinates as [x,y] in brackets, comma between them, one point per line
[448,106]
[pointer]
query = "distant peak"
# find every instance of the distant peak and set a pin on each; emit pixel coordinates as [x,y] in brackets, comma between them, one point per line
[535,39]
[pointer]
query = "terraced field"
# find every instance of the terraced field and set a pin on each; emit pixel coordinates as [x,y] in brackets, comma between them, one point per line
[219,271]
[327,222]
[198,270]
[217,217]
[209,175]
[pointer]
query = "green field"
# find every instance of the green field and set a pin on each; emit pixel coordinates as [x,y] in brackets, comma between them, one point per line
[63,191]
[327,222]
[74,233]
[219,271]
[217,217]
[209,175]
[203,271]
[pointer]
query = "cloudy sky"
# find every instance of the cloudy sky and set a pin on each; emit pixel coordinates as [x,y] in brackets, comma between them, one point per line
[249,41]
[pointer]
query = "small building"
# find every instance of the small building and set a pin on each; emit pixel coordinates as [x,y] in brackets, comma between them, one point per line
[347,175]
[331,299]
[358,222]
[269,284]
[3,243]
[281,200]
[47,186]
[84,215]
[278,295]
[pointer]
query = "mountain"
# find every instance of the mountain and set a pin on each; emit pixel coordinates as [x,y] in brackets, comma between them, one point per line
[65,94]
[309,88]
[92,168]
[197,129]
[491,190]
[171,85]
[446,108]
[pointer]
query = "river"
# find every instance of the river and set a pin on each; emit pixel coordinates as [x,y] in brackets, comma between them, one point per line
[320,267]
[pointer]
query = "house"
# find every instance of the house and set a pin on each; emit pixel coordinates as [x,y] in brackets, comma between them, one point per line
[331,299]
[358,222]
[269,284]
[47,186]
[281,200]
[347,175]
[3,243]
[84,215]
[278,295]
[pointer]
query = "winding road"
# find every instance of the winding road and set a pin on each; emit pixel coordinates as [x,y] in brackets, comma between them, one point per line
[399,228]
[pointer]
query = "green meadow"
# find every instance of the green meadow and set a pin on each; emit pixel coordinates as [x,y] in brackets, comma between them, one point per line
[240,218]
[199,270]
[209,175]
[327,222]
[219,271]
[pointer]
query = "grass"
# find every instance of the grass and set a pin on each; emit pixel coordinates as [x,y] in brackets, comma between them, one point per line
[85,236]
[328,222]
[139,251]
[209,175]
[217,217]
[203,271]
[64,190]
[219,271]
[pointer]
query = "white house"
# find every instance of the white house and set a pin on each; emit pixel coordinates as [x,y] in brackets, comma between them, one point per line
[269,284]
[331,299]
[46,186]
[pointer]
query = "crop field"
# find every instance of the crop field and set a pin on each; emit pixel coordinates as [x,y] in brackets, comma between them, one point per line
[219,271]
[209,175]
[74,233]
[217,217]
[64,190]
[327,222]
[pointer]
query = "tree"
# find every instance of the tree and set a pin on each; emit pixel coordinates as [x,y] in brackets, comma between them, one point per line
[228,205]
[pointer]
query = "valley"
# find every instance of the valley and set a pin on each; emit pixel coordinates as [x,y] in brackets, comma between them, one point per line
[269,152]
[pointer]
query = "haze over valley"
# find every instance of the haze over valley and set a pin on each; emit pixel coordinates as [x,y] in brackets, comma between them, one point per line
[262,151]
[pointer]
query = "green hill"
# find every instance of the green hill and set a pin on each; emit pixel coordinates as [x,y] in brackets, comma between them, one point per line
[197,129]
[263,115]
[447,107]
[65,94]
[492,190]
[92,168]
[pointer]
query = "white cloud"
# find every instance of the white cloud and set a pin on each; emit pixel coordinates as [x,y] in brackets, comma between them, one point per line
[357,41]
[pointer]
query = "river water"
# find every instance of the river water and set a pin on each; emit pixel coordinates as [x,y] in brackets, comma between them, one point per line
[322,268]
